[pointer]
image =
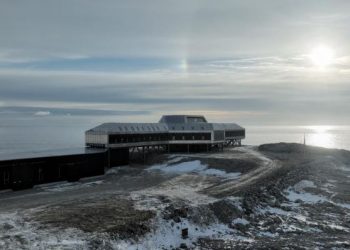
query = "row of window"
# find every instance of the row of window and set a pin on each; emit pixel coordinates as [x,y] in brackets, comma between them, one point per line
[130,138]
[183,128]
[235,133]
[190,136]
[138,138]
[158,137]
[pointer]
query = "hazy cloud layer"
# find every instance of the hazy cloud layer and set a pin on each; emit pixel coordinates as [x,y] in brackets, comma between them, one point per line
[233,60]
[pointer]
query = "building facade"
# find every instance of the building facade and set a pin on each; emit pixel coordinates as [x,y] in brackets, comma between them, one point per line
[175,133]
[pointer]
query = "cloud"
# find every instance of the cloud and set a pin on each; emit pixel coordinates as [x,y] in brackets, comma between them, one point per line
[244,59]
[52,110]
[42,113]
[140,29]
[269,95]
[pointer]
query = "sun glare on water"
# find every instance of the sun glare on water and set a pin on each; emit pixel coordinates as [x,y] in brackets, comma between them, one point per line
[322,56]
[320,136]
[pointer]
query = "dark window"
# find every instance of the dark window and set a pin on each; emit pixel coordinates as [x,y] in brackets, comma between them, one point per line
[234,133]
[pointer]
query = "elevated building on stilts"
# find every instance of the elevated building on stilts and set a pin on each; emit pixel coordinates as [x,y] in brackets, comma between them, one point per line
[173,133]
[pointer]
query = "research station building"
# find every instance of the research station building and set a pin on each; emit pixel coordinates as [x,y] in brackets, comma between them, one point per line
[173,133]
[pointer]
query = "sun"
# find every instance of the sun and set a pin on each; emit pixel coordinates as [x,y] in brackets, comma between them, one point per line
[322,56]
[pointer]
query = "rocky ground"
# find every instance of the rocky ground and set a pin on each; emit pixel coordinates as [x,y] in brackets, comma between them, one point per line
[276,196]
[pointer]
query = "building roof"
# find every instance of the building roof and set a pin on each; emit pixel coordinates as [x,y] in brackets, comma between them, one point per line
[167,123]
[182,119]
[124,128]
[226,126]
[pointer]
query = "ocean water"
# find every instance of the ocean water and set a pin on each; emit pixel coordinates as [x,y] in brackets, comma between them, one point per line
[33,134]
[322,136]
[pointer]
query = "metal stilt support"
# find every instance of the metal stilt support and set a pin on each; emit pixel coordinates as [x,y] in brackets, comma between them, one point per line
[143,154]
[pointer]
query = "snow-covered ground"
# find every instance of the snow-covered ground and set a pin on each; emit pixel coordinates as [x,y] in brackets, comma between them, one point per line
[239,198]
[193,167]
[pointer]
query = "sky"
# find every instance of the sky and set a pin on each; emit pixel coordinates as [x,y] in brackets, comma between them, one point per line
[250,62]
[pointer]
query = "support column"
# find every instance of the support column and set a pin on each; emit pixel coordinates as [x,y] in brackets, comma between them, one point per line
[143,153]
[109,157]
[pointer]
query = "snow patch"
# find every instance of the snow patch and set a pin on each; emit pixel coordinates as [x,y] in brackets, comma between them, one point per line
[305,197]
[236,201]
[184,167]
[343,205]
[300,186]
[327,186]
[18,233]
[273,210]
[194,167]
[221,173]
[175,159]
[297,193]
[116,170]
[184,188]
[268,234]
[337,227]
[167,235]
[240,221]
[65,186]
